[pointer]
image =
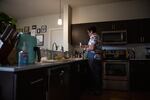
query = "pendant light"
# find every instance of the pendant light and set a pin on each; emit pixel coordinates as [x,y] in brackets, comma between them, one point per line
[59,22]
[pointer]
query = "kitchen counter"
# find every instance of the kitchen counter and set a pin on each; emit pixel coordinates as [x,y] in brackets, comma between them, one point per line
[52,79]
[140,59]
[38,65]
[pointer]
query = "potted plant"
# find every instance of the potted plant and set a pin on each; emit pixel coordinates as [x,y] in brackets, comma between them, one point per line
[7,19]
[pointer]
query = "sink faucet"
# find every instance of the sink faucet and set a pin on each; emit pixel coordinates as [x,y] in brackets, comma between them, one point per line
[56,47]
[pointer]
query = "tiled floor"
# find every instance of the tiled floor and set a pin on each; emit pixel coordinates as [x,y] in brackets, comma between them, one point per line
[118,95]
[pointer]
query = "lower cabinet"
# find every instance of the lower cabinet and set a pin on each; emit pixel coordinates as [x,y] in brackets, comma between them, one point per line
[74,81]
[23,85]
[58,83]
[139,75]
[6,86]
[61,82]
[68,81]
[85,82]
[31,85]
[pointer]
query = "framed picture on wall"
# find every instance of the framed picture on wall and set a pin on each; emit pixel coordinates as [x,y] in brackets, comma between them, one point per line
[38,30]
[33,26]
[19,30]
[40,39]
[43,28]
[26,29]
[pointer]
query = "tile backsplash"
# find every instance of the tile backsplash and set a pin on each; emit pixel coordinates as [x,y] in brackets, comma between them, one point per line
[140,49]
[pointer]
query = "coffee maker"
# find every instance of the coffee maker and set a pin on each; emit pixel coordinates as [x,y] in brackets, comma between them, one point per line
[31,46]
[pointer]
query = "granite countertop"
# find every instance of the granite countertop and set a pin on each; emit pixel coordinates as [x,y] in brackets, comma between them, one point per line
[38,65]
[140,59]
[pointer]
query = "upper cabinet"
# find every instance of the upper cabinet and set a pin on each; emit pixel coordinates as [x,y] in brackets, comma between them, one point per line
[113,25]
[79,34]
[138,30]
[145,30]
[133,34]
[79,31]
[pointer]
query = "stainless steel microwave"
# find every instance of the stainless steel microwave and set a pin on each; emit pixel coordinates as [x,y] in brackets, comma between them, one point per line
[114,37]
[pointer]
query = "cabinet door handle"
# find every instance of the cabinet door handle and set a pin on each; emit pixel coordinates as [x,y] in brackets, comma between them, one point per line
[140,39]
[61,73]
[36,81]
[113,27]
[122,36]
[143,38]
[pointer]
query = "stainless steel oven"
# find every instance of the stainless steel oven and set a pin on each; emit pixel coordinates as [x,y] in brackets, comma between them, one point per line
[115,74]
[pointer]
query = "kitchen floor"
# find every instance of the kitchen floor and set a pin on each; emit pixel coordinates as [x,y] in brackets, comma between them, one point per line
[118,95]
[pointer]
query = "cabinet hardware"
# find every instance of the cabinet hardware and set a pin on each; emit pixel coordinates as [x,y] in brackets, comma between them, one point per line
[36,81]
[143,38]
[122,36]
[61,81]
[61,73]
[113,27]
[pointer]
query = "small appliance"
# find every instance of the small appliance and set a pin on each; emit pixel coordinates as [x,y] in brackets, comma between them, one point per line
[31,45]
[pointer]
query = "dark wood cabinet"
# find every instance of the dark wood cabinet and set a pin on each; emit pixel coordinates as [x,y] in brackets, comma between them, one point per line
[31,85]
[85,81]
[139,75]
[145,30]
[138,31]
[113,25]
[23,85]
[74,81]
[68,81]
[58,83]
[7,85]
[79,31]
[133,34]
[79,34]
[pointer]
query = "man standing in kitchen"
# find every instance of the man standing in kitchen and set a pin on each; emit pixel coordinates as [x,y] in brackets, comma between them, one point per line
[94,51]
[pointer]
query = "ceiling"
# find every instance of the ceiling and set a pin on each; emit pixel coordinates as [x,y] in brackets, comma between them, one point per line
[30,8]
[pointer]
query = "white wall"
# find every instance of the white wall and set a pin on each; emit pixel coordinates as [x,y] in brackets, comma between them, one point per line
[113,11]
[67,26]
[96,13]
[49,20]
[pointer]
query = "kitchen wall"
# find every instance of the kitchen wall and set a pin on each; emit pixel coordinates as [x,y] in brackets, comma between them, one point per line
[114,11]
[52,27]
[134,9]
[96,13]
